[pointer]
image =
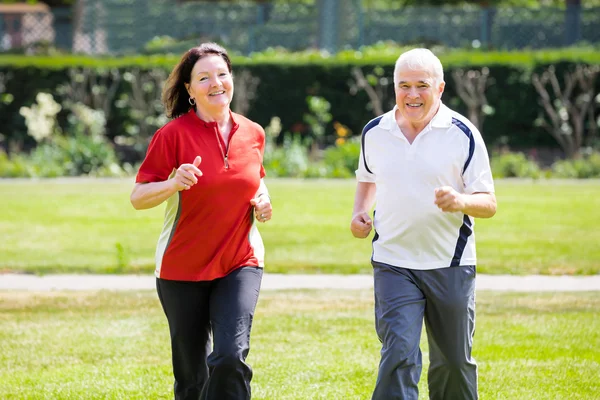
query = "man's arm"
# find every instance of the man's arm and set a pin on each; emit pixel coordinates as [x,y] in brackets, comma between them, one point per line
[364,200]
[478,205]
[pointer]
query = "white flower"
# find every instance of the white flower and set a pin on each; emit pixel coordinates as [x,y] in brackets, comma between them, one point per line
[41,117]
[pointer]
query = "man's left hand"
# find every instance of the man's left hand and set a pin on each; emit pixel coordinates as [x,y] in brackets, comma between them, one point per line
[449,200]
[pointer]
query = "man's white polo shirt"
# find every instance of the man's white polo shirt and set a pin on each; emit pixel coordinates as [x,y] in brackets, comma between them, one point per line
[410,230]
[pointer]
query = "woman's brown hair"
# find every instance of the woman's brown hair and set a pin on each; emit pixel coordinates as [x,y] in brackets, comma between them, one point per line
[175,96]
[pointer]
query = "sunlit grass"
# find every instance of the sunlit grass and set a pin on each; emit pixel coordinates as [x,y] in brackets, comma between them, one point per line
[547,227]
[305,345]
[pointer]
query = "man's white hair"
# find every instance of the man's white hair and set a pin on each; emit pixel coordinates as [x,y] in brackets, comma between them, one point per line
[420,60]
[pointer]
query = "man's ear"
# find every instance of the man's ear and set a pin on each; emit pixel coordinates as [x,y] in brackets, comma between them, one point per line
[441,87]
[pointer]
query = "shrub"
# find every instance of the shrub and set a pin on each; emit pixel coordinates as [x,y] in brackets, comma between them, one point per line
[74,156]
[13,167]
[84,150]
[342,159]
[514,165]
[313,74]
[588,166]
[290,159]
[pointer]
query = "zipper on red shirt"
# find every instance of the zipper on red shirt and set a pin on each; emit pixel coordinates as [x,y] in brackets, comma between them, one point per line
[225,155]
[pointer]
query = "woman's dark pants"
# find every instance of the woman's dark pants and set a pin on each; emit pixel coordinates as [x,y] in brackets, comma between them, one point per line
[225,308]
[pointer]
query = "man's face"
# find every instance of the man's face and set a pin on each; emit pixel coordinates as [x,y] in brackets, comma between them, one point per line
[417,96]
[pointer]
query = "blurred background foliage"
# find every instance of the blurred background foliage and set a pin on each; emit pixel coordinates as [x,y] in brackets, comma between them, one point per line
[313,102]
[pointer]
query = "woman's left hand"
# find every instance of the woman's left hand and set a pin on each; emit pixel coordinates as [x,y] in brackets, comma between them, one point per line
[262,208]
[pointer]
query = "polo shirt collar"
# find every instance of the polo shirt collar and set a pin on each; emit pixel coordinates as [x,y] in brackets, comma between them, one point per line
[232,115]
[234,123]
[388,121]
[442,119]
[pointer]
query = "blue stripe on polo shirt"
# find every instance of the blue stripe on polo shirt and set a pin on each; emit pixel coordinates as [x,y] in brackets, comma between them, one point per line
[373,123]
[375,237]
[465,231]
[469,134]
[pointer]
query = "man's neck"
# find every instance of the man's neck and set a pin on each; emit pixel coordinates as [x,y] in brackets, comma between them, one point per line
[411,130]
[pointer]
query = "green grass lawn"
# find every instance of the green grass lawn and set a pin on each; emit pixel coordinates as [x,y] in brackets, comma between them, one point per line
[305,345]
[547,227]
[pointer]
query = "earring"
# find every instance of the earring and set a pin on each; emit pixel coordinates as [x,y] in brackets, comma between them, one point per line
[192,101]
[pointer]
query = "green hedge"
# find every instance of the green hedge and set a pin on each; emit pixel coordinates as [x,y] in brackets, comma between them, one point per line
[381,54]
[287,79]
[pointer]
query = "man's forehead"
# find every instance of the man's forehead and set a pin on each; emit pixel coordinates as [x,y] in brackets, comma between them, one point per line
[423,78]
[414,75]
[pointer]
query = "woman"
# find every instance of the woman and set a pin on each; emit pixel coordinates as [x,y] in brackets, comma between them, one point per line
[206,163]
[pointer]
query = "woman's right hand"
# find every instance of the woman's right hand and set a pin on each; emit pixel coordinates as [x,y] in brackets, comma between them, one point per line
[187,175]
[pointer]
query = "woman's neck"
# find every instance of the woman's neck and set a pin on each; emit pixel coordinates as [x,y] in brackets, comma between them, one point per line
[221,117]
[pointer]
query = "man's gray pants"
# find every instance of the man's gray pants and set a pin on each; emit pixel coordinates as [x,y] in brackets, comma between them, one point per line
[445,299]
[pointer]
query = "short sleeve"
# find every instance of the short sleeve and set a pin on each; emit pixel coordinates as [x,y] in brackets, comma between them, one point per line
[363,173]
[160,160]
[477,176]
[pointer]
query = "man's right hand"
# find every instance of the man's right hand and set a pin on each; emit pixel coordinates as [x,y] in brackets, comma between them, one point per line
[186,175]
[361,225]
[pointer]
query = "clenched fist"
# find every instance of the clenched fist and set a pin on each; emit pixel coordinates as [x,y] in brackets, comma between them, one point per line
[449,200]
[361,225]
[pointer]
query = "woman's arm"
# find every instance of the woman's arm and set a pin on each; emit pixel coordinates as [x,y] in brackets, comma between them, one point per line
[262,190]
[262,203]
[148,195]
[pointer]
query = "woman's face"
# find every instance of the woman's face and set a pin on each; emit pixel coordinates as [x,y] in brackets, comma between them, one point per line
[211,84]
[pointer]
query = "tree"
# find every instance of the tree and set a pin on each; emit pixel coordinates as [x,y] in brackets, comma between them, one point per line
[245,90]
[470,86]
[566,107]
[377,86]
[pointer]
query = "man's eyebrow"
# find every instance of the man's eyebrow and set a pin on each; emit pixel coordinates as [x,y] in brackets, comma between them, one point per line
[419,82]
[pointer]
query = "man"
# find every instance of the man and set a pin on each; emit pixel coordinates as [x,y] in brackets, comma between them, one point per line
[427,170]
